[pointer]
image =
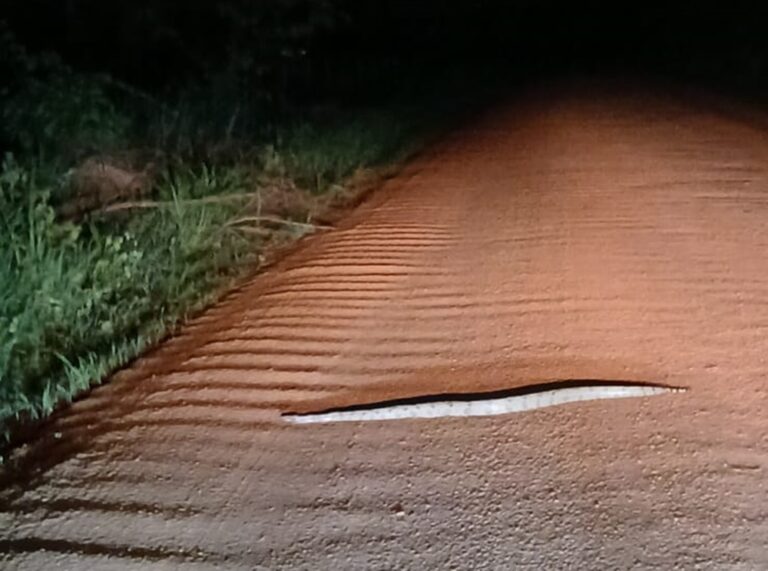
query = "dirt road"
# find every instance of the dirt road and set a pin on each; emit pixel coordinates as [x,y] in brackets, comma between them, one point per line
[572,237]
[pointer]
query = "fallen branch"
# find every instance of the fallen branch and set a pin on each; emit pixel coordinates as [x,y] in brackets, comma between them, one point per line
[148,204]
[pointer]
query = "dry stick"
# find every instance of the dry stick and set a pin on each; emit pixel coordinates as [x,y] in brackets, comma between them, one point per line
[146,204]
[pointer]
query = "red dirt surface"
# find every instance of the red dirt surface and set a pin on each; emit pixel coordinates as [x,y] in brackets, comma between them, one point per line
[571,237]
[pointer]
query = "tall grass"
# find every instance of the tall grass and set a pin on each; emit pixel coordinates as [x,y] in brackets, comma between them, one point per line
[319,154]
[78,300]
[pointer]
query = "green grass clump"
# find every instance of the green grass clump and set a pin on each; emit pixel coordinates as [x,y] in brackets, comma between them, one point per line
[319,154]
[76,301]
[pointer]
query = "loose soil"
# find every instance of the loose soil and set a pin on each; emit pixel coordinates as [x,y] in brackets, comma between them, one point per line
[606,236]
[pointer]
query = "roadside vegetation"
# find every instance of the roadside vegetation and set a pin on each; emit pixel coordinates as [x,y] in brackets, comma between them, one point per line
[123,212]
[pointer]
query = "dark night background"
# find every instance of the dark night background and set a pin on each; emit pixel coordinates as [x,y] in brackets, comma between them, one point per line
[340,47]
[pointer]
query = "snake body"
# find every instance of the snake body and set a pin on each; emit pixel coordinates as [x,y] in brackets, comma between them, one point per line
[467,407]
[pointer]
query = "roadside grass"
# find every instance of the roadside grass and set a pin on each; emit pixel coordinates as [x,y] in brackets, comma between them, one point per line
[76,301]
[318,154]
